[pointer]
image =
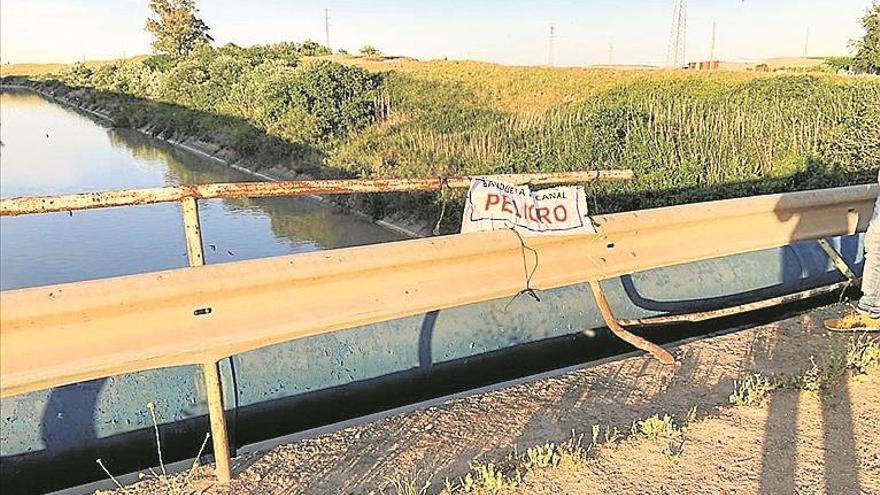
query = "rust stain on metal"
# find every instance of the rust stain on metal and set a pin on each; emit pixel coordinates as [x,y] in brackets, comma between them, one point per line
[655,350]
[739,309]
[129,197]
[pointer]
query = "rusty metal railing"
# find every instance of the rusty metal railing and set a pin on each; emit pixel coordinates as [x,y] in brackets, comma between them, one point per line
[104,199]
[188,196]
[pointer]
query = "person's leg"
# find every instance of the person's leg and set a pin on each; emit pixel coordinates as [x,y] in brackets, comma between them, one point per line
[867,314]
[869,304]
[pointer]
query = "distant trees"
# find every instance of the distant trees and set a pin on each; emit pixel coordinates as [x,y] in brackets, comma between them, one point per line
[177,30]
[370,51]
[867,49]
[839,63]
[311,48]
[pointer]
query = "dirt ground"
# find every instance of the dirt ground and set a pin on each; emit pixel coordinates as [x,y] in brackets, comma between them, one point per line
[795,442]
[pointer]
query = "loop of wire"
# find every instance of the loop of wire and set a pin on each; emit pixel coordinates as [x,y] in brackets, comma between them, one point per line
[528,290]
[444,185]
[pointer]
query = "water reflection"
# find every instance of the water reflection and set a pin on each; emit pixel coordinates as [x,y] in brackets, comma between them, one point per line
[79,155]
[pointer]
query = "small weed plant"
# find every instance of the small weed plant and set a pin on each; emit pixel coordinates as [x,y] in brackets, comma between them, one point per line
[542,456]
[751,390]
[656,427]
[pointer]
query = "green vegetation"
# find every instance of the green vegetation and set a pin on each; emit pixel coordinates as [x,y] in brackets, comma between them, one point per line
[262,101]
[838,63]
[751,390]
[655,427]
[177,31]
[688,136]
[862,354]
[370,51]
[409,486]
[867,57]
[542,456]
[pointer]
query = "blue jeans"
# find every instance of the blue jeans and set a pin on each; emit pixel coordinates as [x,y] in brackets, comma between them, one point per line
[869,304]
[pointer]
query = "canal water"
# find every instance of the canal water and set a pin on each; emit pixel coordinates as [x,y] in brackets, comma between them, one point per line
[51,149]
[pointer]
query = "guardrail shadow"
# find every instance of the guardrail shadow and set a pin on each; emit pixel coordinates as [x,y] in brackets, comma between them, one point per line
[779,454]
[442,441]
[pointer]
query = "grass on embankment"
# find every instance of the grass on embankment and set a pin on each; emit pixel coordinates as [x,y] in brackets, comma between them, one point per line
[32,70]
[689,136]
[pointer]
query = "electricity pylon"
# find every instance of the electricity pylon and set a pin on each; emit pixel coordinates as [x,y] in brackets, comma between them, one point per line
[678,37]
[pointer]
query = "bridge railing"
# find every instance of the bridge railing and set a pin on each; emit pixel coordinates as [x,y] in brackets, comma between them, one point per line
[28,205]
[188,196]
[56,335]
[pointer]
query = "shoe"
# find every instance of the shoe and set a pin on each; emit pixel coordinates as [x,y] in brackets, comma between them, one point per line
[853,322]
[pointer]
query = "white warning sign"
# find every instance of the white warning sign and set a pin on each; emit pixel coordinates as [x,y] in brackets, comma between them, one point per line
[493,205]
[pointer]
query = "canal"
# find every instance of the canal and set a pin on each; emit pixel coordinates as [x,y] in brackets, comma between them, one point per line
[311,382]
[51,149]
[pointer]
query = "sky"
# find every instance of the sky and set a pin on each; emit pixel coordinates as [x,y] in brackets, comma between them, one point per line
[514,32]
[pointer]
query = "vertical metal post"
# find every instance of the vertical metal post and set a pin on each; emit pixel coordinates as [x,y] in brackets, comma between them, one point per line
[211,371]
[218,422]
[192,231]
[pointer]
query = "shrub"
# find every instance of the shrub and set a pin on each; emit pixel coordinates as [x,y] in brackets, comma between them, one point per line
[263,85]
[77,74]
[339,97]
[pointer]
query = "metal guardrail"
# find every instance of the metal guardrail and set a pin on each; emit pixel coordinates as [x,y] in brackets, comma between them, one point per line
[68,333]
[187,196]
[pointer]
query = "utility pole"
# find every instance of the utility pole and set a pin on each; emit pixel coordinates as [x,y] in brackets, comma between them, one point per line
[611,54]
[712,50]
[327,27]
[550,48]
[807,43]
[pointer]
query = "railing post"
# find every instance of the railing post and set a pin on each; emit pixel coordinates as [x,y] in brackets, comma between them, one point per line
[218,422]
[211,371]
[192,231]
[837,259]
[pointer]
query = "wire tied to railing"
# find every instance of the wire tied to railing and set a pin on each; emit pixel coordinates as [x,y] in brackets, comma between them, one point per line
[444,187]
[528,290]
